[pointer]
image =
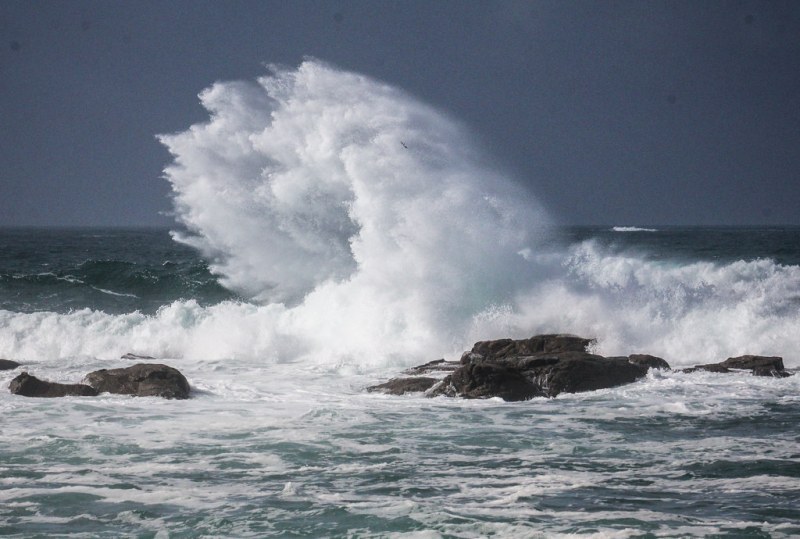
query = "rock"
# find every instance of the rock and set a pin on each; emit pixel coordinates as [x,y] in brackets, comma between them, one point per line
[649,361]
[754,362]
[710,367]
[30,386]
[759,365]
[484,380]
[401,386]
[587,373]
[440,365]
[7,364]
[135,356]
[142,380]
[544,365]
[767,371]
[556,343]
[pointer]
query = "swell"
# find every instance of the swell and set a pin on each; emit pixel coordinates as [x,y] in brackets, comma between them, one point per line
[112,286]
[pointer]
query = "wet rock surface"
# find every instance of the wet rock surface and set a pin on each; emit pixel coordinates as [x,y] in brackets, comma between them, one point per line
[140,380]
[30,386]
[7,365]
[758,365]
[541,366]
[546,366]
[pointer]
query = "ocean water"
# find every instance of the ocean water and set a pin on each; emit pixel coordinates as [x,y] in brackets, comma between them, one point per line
[314,255]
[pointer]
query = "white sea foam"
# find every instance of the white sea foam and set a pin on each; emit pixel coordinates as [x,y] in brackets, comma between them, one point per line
[633,229]
[369,233]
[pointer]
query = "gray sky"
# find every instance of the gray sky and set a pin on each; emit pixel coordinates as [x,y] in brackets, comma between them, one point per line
[634,112]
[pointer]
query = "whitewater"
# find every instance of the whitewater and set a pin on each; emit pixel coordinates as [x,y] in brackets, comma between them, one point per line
[332,230]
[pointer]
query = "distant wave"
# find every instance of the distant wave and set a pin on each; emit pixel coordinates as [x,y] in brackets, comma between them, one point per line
[633,229]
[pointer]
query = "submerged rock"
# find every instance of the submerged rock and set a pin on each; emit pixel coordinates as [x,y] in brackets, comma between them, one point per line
[7,365]
[30,386]
[141,380]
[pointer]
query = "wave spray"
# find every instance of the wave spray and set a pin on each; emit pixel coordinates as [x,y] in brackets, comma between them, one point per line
[365,214]
[366,231]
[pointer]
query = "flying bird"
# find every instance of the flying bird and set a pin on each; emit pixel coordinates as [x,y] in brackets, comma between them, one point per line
[404,144]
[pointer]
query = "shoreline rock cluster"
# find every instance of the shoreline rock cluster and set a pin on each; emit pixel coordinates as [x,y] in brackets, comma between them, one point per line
[545,366]
[140,380]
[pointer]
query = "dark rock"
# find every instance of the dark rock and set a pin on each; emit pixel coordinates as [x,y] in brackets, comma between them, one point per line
[141,380]
[7,365]
[759,365]
[135,356]
[555,343]
[440,365]
[767,371]
[710,367]
[30,386]
[649,361]
[548,365]
[401,386]
[754,362]
[484,380]
[545,365]
[587,373]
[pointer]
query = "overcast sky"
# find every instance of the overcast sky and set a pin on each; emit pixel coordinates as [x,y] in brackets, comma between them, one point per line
[631,113]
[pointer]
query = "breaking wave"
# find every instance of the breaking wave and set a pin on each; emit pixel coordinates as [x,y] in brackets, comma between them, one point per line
[365,229]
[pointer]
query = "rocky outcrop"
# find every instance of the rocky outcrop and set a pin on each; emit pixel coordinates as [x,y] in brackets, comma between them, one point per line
[30,386]
[7,365]
[758,365]
[541,366]
[141,380]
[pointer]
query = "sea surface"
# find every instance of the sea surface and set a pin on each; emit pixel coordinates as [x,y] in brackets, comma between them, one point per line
[294,446]
[330,232]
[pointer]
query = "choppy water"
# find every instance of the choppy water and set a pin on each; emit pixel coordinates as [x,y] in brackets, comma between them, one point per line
[268,448]
[331,232]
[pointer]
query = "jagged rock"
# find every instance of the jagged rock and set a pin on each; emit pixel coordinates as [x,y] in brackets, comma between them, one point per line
[401,386]
[135,356]
[548,365]
[484,380]
[555,343]
[7,364]
[544,365]
[142,380]
[587,373]
[30,386]
[647,360]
